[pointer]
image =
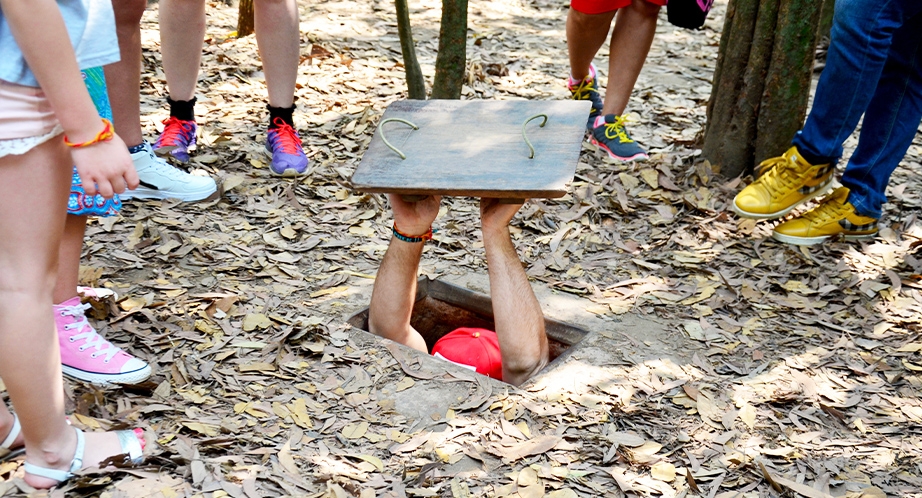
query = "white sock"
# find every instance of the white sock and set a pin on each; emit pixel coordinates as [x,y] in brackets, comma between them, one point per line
[591,75]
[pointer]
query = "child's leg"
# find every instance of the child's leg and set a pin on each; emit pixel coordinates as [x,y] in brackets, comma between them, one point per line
[65,286]
[84,354]
[279,39]
[124,77]
[29,359]
[630,43]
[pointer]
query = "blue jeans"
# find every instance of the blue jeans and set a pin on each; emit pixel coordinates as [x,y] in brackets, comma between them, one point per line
[873,67]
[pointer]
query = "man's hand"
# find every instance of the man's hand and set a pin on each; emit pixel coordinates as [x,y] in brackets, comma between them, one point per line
[495,214]
[415,218]
[516,311]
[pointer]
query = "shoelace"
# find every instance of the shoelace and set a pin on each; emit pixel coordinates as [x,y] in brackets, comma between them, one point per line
[830,208]
[286,137]
[768,165]
[92,338]
[584,89]
[173,130]
[617,130]
[778,170]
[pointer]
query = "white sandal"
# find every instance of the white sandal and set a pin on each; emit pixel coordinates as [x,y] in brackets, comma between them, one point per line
[127,439]
[14,433]
[6,452]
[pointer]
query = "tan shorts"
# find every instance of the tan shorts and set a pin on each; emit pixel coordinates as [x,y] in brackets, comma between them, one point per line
[26,119]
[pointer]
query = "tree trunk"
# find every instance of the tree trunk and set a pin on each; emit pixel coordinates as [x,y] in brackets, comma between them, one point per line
[762,81]
[451,61]
[416,85]
[245,18]
[826,15]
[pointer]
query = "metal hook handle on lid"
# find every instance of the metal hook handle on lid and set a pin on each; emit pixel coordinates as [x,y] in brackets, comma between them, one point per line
[531,154]
[388,144]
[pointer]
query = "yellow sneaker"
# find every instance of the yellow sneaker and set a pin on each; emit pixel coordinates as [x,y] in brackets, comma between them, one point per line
[834,216]
[784,183]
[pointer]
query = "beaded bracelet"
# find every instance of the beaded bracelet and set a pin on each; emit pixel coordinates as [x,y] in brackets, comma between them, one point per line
[104,136]
[412,238]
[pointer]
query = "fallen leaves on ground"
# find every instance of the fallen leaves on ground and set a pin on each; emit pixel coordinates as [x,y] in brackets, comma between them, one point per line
[789,370]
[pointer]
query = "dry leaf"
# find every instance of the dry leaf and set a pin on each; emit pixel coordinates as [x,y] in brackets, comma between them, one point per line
[663,471]
[286,460]
[255,321]
[355,431]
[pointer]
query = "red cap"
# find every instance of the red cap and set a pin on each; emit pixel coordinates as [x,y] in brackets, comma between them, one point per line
[476,348]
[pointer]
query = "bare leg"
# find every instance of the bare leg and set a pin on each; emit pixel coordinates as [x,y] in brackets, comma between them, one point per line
[124,77]
[630,43]
[182,30]
[69,259]
[278,37]
[30,362]
[585,35]
[29,358]
[516,311]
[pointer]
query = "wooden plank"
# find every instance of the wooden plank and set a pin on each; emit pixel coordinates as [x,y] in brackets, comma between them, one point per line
[475,148]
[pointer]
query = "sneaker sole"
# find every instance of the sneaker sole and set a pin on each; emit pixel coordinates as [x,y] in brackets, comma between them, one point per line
[107,379]
[812,241]
[640,157]
[783,212]
[149,193]
[288,173]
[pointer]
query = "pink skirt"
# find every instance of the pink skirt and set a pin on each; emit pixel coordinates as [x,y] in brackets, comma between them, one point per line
[26,119]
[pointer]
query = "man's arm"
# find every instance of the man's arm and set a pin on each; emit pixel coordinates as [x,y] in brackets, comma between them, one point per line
[516,311]
[395,286]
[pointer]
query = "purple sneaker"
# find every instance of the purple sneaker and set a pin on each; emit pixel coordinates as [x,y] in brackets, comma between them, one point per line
[177,137]
[288,157]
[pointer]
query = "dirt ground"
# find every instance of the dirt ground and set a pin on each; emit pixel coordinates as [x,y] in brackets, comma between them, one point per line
[720,363]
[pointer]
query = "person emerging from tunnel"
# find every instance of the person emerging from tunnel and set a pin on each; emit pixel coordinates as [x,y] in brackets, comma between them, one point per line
[519,339]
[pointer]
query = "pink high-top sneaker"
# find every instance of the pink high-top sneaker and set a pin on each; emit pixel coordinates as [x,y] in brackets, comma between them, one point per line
[87,356]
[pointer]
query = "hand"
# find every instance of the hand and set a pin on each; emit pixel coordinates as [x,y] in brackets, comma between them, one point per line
[415,218]
[495,214]
[105,168]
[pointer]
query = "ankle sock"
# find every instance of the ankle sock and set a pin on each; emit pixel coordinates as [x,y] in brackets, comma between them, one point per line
[590,75]
[283,113]
[136,148]
[182,109]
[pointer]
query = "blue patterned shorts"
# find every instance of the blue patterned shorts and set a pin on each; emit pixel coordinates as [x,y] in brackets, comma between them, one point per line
[79,203]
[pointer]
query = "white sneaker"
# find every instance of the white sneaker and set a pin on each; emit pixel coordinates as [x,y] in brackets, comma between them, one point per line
[159,180]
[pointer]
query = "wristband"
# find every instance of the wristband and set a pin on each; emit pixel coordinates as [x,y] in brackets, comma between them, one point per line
[104,136]
[412,238]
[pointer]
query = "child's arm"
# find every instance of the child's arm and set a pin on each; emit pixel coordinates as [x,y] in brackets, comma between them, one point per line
[39,30]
